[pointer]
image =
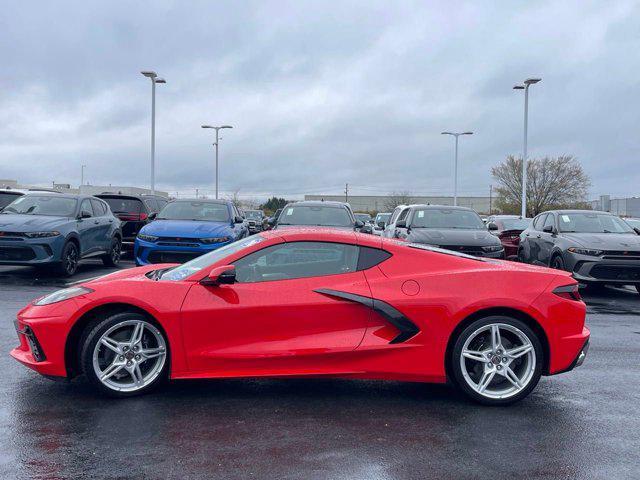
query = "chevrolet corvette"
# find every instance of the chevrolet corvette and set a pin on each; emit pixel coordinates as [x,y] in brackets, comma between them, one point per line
[313,302]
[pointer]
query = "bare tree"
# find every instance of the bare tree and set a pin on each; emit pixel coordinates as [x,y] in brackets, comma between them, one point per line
[235,198]
[552,182]
[397,198]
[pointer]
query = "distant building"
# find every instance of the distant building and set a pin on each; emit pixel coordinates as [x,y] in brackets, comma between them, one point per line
[376,203]
[84,189]
[625,207]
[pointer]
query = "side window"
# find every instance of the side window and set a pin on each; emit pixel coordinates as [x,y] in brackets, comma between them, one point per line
[161,204]
[98,208]
[550,221]
[403,215]
[85,207]
[152,205]
[539,221]
[394,215]
[297,260]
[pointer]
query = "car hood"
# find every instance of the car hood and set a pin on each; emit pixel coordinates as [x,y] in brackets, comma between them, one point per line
[30,223]
[605,241]
[186,228]
[459,237]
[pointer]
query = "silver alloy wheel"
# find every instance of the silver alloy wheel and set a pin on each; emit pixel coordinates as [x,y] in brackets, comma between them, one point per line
[129,356]
[498,360]
[115,251]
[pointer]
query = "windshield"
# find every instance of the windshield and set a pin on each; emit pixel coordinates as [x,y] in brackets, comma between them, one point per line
[365,217]
[587,222]
[124,205]
[316,215]
[383,217]
[634,222]
[444,218]
[514,223]
[202,211]
[43,205]
[253,214]
[187,269]
[7,198]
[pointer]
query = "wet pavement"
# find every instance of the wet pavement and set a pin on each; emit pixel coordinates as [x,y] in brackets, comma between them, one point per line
[583,424]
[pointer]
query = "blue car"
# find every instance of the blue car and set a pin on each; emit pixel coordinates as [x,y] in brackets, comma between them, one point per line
[185,229]
[56,231]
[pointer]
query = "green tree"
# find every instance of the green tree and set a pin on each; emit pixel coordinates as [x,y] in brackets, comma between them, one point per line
[552,182]
[273,204]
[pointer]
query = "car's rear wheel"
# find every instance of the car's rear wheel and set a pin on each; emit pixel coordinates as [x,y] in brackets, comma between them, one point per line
[69,262]
[497,360]
[124,355]
[112,258]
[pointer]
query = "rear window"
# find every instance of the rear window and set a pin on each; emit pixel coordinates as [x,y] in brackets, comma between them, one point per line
[515,223]
[124,205]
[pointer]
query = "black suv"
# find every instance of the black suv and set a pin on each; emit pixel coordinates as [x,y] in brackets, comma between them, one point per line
[453,228]
[317,214]
[134,211]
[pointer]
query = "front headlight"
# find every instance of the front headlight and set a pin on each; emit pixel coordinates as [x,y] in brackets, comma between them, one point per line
[586,251]
[147,238]
[492,248]
[41,234]
[214,240]
[60,295]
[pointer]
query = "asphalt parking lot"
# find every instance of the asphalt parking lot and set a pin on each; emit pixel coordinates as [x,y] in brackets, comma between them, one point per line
[583,424]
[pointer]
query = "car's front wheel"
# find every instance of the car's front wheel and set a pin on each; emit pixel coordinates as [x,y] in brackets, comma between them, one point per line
[497,360]
[112,258]
[70,257]
[124,354]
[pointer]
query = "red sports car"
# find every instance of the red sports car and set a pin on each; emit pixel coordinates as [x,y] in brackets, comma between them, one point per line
[312,302]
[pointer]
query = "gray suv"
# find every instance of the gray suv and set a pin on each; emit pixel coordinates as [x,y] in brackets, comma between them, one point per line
[597,247]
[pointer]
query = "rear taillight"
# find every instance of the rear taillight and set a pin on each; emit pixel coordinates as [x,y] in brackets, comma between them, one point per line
[143,216]
[570,292]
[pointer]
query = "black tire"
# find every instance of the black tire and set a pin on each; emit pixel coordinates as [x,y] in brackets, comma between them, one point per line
[455,369]
[557,262]
[112,258]
[69,262]
[90,338]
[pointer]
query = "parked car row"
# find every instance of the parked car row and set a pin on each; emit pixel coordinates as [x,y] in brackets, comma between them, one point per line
[58,230]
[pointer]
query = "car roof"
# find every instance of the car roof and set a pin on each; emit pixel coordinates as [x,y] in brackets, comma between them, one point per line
[577,211]
[201,200]
[127,195]
[319,203]
[323,234]
[440,207]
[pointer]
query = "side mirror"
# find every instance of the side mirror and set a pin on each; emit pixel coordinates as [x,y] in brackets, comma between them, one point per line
[637,230]
[238,219]
[401,224]
[84,214]
[225,274]
[381,225]
[359,224]
[366,229]
[272,221]
[549,229]
[492,226]
[152,216]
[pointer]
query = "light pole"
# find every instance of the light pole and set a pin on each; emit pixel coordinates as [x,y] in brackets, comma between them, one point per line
[82,167]
[527,83]
[455,168]
[217,129]
[153,76]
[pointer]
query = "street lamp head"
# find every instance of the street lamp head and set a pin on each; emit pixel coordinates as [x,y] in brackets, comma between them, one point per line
[160,80]
[149,73]
[226,126]
[446,133]
[518,87]
[467,133]
[531,81]
[207,126]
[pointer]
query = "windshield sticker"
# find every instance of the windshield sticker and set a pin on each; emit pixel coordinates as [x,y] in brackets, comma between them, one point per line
[421,214]
[565,218]
[289,211]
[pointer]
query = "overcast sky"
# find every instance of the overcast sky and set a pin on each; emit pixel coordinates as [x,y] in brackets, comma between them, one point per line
[319,93]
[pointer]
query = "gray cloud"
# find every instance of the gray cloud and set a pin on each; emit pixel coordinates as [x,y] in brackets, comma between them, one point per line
[319,94]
